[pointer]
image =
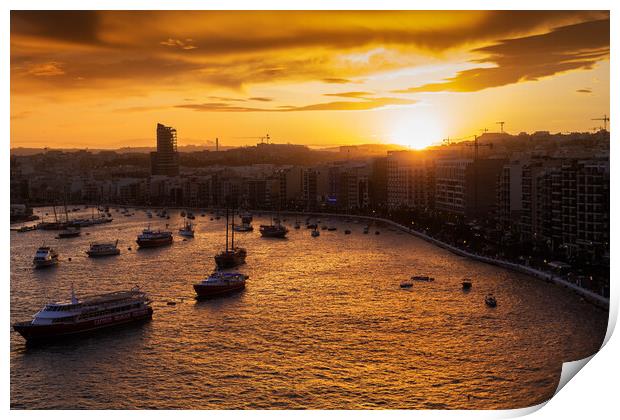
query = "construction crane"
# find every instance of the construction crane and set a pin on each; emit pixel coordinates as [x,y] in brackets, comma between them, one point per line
[476,144]
[501,125]
[605,120]
[263,139]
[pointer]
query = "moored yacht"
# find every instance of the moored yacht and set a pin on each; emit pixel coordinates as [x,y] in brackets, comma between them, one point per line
[70,232]
[274,230]
[91,313]
[153,238]
[233,256]
[45,257]
[220,283]
[103,249]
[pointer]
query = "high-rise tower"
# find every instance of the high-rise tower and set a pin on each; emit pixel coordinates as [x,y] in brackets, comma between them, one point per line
[165,161]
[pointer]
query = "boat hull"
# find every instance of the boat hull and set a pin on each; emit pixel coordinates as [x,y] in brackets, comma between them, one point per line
[209,291]
[45,264]
[229,261]
[152,243]
[38,333]
[92,254]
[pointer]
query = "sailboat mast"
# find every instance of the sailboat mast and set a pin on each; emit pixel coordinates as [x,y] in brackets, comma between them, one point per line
[226,229]
[232,232]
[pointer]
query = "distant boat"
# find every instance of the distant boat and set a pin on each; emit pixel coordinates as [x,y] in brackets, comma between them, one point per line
[332,228]
[70,232]
[347,232]
[25,229]
[315,233]
[274,230]
[220,283]
[187,230]
[366,228]
[422,278]
[103,249]
[466,284]
[490,301]
[406,284]
[45,257]
[233,256]
[150,238]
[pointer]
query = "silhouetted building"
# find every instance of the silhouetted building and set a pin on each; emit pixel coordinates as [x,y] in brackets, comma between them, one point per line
[165,161]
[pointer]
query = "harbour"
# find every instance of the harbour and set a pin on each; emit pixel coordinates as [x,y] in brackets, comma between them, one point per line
[321,323]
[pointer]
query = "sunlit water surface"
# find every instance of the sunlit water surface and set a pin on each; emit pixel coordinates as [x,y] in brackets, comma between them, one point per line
[322,323]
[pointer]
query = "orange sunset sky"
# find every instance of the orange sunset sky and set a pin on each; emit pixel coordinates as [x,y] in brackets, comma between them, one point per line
[102,79]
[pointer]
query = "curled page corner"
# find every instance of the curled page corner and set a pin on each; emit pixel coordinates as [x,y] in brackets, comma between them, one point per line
[570,369]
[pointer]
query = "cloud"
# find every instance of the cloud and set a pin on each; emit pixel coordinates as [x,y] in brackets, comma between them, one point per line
[349,94]
[143,51]
[530,58]
[45,69]
[261,99]
[588,90]
[184,45]
[365,105]
[337,80]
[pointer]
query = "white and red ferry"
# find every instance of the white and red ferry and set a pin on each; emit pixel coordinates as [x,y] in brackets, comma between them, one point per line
[91,313]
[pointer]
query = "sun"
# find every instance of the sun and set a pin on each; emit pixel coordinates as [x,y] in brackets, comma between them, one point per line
[416,130]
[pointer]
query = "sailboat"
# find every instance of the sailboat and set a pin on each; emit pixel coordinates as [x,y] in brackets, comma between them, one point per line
[230,257]
[274,230]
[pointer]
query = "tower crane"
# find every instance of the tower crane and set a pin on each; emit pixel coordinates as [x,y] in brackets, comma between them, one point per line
[605,120]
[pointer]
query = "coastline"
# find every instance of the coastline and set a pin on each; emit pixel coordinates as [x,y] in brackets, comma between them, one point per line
[588,295]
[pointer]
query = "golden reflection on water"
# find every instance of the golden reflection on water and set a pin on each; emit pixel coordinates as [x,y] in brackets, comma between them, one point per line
[322,323]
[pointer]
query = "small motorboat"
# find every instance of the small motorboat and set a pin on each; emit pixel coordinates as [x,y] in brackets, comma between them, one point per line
[70,232]
[406,284]
[182,214]
[332,228]
[466,284]
[102,249]
[315,233]
[347,232]
[422,278]
[490,301]
[45,257]
[220,283]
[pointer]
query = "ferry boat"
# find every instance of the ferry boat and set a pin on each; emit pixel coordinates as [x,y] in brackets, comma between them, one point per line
[274,230]
[187,230]
[70,232]
[91,313]
[233,256]
[220,283]
[45,257]
[102,249]
[151,238]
